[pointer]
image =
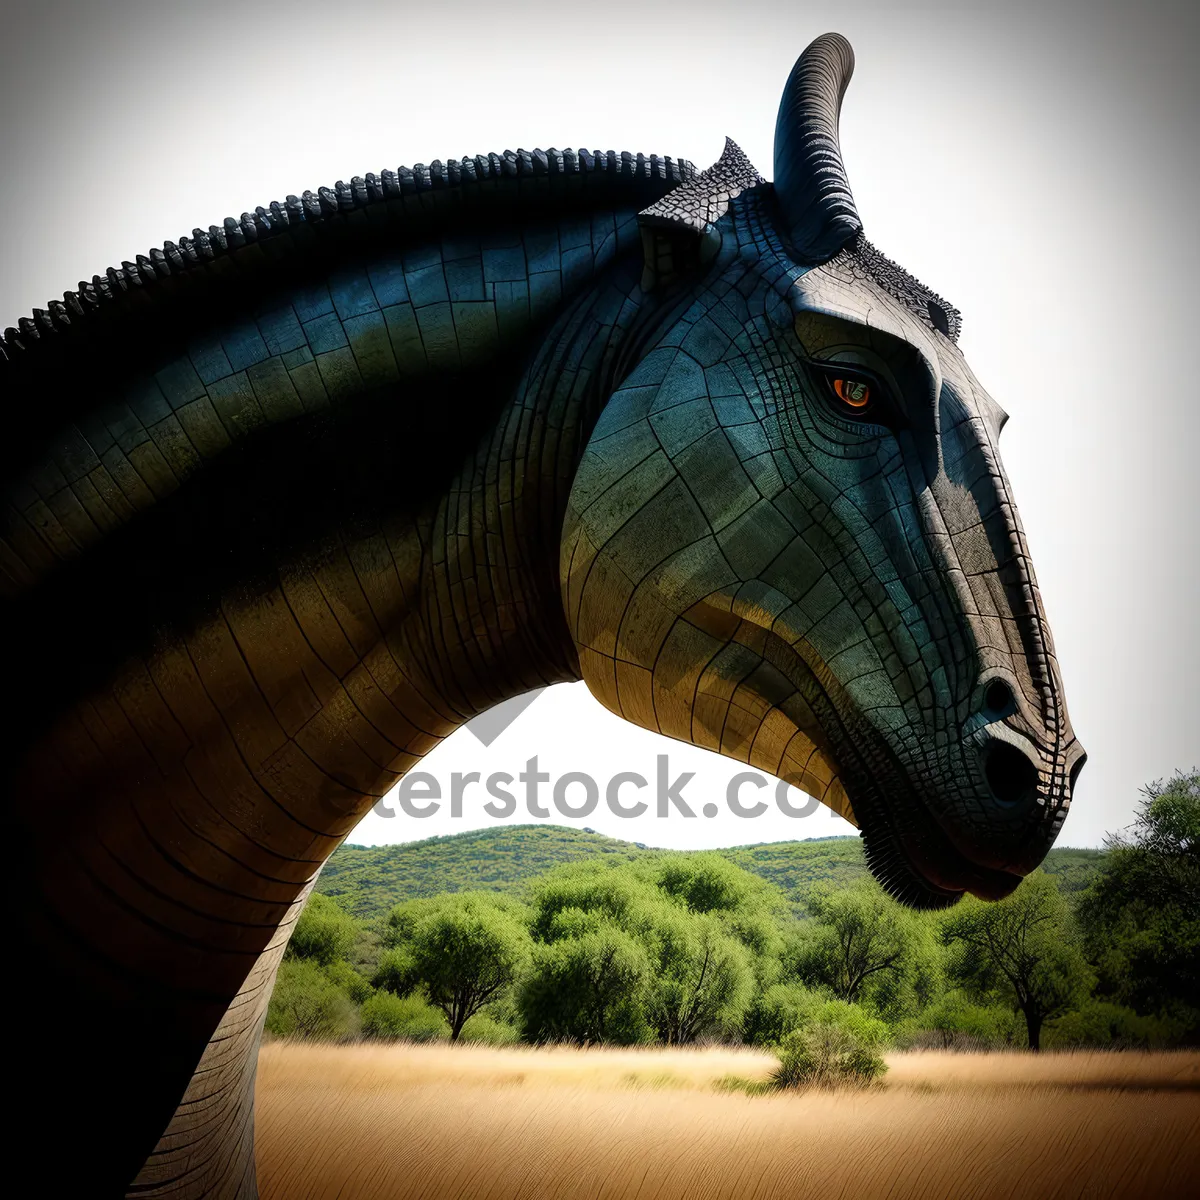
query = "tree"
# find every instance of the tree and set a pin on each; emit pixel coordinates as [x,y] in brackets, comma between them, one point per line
[587,984]
[776,1011]
[746,908]
[343,975]
[703,882]
[461,950]
[591,966]
[673,944]
[1141,915]
[860,942]
[612,891]
[703,977]
[306,1003]
[1020,950]
[324,932]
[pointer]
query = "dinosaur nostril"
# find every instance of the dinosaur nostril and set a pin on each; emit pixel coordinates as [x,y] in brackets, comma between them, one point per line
[1010,775]
[998,698]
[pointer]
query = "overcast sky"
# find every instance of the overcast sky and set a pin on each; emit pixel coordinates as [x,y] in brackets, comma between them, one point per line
[1035,165]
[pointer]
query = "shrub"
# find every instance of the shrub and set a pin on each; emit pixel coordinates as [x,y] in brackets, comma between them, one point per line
[349,980]
[486,1030]
[387,1017]
[306,1003]
[323,933]
[777,1011]
[1102,1024]
[954,1022]
[838,1045]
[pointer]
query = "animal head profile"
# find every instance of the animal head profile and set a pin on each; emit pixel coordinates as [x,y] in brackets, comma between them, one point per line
[791,539]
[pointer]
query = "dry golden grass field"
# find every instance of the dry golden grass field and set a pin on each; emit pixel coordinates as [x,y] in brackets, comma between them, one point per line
[364,1122]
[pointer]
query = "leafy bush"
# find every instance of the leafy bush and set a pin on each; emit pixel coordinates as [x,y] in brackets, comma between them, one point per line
[487,1030]
[386,1016]
[306,1003]
[839,1045]
[954,1022]
[349,980]
[777,1011]
[1101,1024]
[324,932]
[587,987]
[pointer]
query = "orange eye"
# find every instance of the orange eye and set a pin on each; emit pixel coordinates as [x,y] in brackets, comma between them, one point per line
[853,392]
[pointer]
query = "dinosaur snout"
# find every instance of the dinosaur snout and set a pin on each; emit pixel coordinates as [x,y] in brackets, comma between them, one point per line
[1015,798]
[1011,775]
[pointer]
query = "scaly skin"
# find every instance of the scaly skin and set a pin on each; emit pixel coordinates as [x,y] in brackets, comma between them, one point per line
[288,503]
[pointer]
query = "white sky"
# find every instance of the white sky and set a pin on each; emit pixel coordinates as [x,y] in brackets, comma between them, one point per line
[991,152]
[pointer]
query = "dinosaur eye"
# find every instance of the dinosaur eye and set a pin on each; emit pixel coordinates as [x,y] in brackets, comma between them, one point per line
[854,392]
[857,396]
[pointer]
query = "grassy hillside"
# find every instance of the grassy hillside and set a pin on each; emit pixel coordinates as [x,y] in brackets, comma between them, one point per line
[368,880]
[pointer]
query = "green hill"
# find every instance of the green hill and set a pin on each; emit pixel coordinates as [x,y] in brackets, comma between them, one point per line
[369,880]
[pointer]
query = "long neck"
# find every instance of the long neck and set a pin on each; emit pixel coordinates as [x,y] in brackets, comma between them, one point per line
[482,609]
[246,614]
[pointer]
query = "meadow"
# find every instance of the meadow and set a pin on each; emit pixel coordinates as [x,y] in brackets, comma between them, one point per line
[438,1122]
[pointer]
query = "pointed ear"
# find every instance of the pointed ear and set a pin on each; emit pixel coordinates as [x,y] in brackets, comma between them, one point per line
[677,231]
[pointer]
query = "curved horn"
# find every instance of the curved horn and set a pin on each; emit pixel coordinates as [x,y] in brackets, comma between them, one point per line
[810,180]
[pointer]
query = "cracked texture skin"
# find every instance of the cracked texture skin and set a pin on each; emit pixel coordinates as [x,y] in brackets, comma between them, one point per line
[290,501]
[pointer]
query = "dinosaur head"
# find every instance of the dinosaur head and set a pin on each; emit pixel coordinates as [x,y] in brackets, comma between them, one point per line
[791,540]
